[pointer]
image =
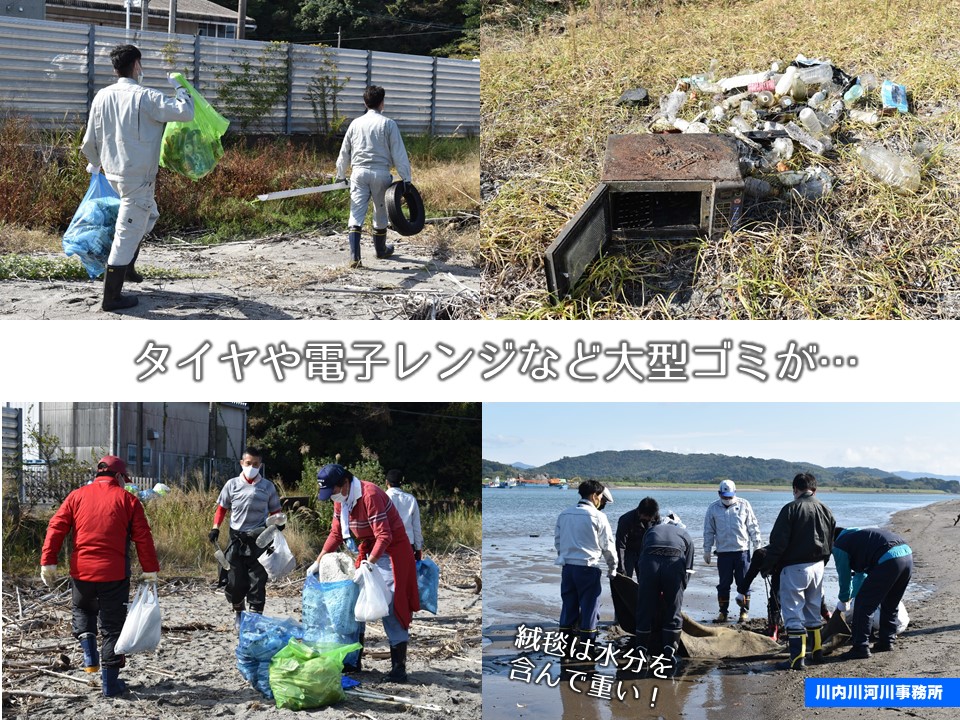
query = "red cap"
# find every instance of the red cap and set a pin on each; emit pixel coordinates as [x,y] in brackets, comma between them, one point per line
[111,464]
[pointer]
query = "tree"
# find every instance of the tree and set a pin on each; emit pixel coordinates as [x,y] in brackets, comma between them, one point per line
[402,26]
[250,93]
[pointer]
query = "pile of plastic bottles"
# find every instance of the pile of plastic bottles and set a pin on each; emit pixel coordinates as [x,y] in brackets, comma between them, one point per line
[777,111]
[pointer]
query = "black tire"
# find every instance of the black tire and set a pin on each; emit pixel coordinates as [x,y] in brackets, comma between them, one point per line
[395,198]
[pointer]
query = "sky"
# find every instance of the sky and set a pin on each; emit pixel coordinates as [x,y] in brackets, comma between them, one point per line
[909,437]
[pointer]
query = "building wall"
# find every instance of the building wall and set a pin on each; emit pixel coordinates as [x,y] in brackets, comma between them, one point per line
[110,18]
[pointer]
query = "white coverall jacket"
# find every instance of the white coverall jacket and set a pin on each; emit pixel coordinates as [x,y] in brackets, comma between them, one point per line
[583,536]
[372,146]
[731,528]
[123,137]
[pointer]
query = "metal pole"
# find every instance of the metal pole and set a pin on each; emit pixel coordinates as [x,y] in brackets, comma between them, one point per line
[91,68]
[196,61]
[289,88]
[127,4]
[339,28]
[433,99]
[241,19]
[172,19]
[144,14]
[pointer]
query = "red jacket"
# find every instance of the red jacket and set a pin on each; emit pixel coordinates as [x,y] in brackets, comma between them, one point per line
[104,519]
[377,526]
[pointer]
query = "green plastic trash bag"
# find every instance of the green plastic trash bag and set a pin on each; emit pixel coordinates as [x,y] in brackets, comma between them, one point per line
[307,675]
[193,148]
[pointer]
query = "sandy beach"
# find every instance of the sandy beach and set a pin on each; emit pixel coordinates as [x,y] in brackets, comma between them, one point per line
[193,674]
[733,689]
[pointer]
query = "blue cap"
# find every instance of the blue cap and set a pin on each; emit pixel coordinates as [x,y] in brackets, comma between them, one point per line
[329,477]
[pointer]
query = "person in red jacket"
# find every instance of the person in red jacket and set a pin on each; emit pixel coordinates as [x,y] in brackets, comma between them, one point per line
[365,511]
[103,518]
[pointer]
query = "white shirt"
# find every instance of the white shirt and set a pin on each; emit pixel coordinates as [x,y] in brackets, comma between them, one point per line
[406,505]
[583,537]
[125,128]
[373,142]
[732,528]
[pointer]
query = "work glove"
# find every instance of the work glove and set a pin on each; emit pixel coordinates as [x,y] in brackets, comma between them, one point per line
[339,180]
[184,96]
[418,555]
[843,606]
[740,599]
[707,558]
[93,169]
[214,535]
[611,573]
[314,569]
[149,577]
[174,83]
[48,574]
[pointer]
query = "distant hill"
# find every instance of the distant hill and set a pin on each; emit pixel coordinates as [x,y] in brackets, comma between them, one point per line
[652,466]
[521,466]
[490,469]
[914,476]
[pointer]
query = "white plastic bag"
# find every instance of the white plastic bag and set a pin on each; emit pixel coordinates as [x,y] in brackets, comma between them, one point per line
[374,600]
[903,620]
[141,629]
[279,562]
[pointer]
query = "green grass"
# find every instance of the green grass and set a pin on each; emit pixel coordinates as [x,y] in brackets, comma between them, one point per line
[548,104]
[16,266]
[42,180]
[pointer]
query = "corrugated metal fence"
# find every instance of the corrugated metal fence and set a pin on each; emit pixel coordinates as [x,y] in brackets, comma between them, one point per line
[51,71]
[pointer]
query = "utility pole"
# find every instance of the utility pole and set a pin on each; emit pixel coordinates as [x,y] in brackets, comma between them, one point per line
[172,20]
[338,36]
[241,19]
[144,14]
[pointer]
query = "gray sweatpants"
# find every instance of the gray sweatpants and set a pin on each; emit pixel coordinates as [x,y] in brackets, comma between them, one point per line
[138,214]
[801,589]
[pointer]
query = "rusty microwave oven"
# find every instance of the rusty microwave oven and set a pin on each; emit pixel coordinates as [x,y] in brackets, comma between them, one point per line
[672,186]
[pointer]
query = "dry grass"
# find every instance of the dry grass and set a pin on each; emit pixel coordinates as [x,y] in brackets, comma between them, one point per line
[548,103]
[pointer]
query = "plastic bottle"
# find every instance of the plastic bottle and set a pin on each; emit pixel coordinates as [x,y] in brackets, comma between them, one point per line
[868,117]
[902,173]
[817,100]
[853,95]
[764,99]
[742,81]
[815,145]
[785,83]
[671,104]
[266,537]
[816,74]
[808,118]
[740,124]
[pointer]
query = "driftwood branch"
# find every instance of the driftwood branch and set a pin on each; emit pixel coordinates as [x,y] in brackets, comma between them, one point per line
[32,693]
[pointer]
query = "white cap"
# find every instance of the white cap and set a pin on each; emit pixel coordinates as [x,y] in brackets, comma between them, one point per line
[606,495]
[728,488]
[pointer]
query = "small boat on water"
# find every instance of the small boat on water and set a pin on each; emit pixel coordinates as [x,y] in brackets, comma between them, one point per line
[511,483]
[558,483]
[496,483]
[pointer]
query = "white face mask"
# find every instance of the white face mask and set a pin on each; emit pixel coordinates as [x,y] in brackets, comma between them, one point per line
[727,501]
[250,472]
[337,497]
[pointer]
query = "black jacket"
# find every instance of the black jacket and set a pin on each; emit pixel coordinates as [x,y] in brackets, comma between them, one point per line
[803,533]
[629,540]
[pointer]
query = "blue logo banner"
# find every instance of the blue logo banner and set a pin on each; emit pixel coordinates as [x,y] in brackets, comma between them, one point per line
[882,692]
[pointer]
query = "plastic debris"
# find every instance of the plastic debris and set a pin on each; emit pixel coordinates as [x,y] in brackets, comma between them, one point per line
[90,233]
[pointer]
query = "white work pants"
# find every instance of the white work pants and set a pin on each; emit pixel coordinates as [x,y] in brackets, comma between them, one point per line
[138,214]
[367,185]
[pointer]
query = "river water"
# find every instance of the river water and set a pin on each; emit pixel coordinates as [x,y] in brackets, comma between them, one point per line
[521,585]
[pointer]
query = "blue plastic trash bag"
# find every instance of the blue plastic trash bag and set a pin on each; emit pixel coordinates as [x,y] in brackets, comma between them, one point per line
[261,638]
[428,583]
[90,233]
[328,613]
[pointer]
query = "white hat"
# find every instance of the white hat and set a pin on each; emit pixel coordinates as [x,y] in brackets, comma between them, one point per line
[607,495]
[728,488]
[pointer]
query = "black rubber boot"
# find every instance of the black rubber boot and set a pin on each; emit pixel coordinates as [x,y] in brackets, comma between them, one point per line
[814,647]
[113,300]
[91,657]
[398,664]
[797,643]
[112,684]
[132,275]
[671,643]
[355,668]
[354,237]
[724,603]
[380,244]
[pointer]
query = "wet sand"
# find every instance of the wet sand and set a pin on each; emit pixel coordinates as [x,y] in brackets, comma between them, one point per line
[730,690]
